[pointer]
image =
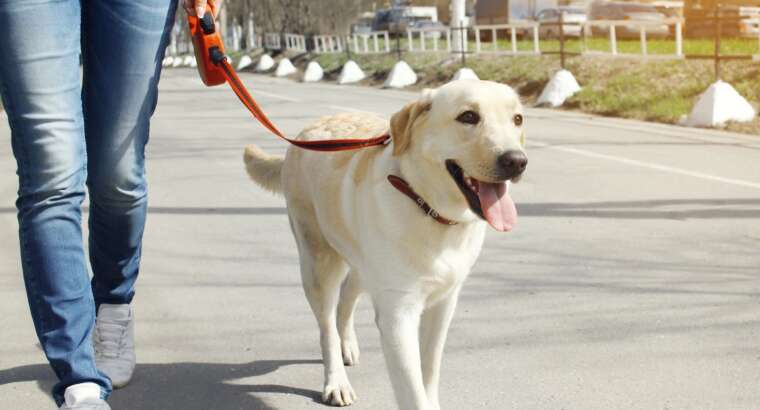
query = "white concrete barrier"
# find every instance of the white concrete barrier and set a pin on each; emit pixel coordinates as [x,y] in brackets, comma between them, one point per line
[719,104]
[188,61]
[177,62]
[168,61]
[285,68]
[400,76]
[245,62]
[313,73]
[351,73]
[265,63]
[465,74]
[561,87]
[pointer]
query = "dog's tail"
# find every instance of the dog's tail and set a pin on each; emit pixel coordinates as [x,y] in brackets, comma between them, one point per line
[263,168]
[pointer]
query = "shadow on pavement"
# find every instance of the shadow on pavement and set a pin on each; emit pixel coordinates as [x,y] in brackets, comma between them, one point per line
[192,386]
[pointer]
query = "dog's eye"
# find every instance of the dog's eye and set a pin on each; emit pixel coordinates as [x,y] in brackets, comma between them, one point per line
[518,119]
[469,117]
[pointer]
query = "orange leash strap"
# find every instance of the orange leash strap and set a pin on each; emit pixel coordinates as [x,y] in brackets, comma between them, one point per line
[214,68]
[319,145]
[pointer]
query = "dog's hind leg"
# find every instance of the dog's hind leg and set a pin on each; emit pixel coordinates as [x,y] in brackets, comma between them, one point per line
[397,315]
[433,330]
[349,296]
[322,272]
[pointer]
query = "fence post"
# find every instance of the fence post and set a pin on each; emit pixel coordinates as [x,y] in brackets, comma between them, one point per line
[643,39]
[387,39]
[562,39]
[717,24]
[463,43]
[410,40]
[613,40]
[679,39]
[477,40]
[513,39]
[585,28]
[495,39]
[398,47]
[536,44]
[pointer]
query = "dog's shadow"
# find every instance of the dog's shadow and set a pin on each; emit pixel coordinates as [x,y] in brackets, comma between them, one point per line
[200,386]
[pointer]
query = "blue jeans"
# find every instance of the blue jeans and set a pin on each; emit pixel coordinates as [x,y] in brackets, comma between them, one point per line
[68,133]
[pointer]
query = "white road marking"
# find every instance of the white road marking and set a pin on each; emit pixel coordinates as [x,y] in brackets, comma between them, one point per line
[649,165]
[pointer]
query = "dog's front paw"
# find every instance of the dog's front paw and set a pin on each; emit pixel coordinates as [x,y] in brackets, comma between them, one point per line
[339,393]
[350,349]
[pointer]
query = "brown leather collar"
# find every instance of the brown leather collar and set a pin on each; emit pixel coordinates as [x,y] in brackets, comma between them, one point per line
[407,190]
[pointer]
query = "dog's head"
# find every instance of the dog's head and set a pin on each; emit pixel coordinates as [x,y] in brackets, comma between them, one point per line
[460,146]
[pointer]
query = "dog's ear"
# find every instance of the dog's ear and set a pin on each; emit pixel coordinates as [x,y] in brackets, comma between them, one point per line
[403,121]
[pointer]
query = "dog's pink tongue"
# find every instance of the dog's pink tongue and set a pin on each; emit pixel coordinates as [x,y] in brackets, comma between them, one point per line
[498,207]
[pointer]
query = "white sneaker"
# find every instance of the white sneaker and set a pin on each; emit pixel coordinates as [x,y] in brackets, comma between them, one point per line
[114,342]
[83,396]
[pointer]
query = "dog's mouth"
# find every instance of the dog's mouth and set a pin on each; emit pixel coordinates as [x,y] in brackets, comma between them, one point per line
[489,200]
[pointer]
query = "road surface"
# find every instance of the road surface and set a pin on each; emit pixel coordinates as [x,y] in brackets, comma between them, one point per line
[632,280]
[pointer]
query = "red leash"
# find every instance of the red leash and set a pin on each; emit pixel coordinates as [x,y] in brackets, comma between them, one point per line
[319,145]
[214,68]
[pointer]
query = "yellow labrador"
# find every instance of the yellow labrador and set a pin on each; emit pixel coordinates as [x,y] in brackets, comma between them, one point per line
[457,147]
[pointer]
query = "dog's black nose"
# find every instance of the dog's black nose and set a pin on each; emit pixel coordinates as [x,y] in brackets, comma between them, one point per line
[513,163]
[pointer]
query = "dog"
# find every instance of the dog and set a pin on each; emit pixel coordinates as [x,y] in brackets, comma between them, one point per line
[403,222]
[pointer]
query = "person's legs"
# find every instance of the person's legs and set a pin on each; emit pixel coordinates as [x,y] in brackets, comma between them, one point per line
[123,44]
[39,81]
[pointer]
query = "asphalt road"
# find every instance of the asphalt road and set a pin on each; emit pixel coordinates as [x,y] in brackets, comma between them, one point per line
[632,280]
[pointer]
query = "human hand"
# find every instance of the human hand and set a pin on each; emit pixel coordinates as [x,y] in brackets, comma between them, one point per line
[198,7]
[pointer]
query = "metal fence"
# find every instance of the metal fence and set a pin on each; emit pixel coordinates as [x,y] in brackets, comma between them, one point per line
[519,38]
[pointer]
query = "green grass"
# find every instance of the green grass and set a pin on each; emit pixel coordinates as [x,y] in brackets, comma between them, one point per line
[655,46]
[633,46]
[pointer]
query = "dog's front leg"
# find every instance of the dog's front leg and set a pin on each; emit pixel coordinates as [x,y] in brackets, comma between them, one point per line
[398,317]
[433,330]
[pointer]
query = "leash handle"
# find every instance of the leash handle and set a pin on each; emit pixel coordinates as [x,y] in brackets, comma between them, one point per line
[208,45]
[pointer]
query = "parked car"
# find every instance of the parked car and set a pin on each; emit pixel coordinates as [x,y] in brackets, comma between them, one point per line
[635,12]
[398,19]
[549,20]
[361,29]
[432,29]
[750,27]
[363,24]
